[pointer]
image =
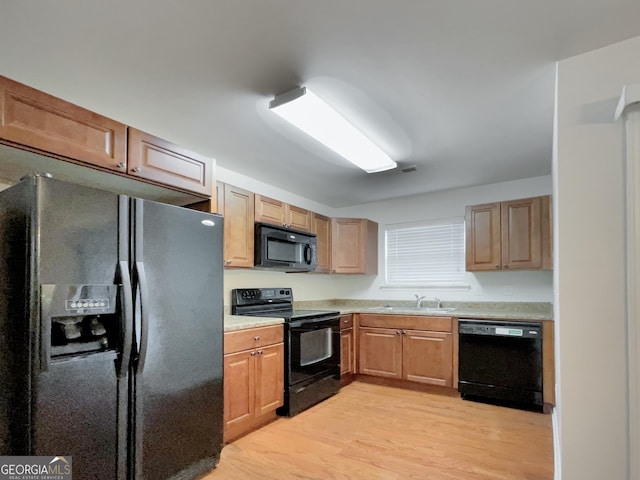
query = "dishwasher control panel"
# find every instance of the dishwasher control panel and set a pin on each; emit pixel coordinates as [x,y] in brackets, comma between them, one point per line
[492,328]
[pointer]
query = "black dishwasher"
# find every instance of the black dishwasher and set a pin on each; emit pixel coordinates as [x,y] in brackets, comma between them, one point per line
[501,362]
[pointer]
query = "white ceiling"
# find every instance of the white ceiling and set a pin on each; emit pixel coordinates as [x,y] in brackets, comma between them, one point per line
[462,89]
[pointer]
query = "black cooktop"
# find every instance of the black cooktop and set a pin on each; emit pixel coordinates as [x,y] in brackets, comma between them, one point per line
[270,302]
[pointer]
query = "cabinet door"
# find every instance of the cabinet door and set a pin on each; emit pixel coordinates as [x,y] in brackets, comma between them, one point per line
[269,378]
[380,351]
[482,223]
[298,218]
[43,122]
[269,210]
[427,357]
[321,226]
[239,392]
[160,161]
[346,351]
[238,227]
[354,246]
[521,234]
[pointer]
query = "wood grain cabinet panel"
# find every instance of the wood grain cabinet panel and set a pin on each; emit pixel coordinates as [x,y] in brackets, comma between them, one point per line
[482,223]
[298,218]
[521,234]
[347,349]
[253,378]
[269,210]
[321,226]
[512,235]
[239,391]
[427,357]
[395,351]
[275,212]
[354,246]
[160,161]
[238,227]
[380,352]
[269,379]
[42,122]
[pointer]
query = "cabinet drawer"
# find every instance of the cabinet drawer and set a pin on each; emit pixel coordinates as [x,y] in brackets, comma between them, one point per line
[346,321]
[239,340]
[413,322]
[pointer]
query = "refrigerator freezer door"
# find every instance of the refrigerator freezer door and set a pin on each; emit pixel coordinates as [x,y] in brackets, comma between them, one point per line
[75,400]
[178,374]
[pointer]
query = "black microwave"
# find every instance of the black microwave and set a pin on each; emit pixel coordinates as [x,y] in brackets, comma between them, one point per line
[284,249]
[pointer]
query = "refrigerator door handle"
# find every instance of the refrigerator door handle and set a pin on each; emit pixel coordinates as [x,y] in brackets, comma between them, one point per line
[144,315]
[127,319]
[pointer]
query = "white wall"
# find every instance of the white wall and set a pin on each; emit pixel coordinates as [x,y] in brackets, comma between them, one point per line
[484,286]
[516,286]
[589,263]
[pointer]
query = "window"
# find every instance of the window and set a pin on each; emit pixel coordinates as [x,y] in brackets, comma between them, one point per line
[426,253]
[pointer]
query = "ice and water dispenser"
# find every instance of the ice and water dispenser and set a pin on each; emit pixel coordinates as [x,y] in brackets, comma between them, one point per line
[79,319]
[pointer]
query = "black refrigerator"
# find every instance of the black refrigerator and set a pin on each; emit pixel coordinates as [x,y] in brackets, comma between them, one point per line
[111,330]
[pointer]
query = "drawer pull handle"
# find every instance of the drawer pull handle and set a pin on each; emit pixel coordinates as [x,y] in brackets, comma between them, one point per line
[256,338]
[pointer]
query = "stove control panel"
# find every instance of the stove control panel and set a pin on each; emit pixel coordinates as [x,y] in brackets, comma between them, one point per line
[260,296]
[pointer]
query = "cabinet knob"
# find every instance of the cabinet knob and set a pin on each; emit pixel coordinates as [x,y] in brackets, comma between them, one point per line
[136,169]
[256,338]
[227,262]
[346,321]
[498,267]
[122,165]
[505,266]
[253,354]
[260,352]
[398,332]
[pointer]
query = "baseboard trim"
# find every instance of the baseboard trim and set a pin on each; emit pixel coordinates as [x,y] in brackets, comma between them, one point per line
[557,458]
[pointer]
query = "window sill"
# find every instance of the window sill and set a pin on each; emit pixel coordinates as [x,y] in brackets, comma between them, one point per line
[425,287]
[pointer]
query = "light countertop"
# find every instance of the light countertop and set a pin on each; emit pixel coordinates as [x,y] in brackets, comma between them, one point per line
[239,322]
[516,311]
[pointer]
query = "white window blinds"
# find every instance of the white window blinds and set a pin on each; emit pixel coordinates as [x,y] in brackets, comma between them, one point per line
[426,254]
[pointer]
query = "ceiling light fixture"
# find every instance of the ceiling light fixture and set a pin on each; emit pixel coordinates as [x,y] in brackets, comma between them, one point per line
[305,110]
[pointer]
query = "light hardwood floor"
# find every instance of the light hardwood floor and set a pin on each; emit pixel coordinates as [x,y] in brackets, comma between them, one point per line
[377,432]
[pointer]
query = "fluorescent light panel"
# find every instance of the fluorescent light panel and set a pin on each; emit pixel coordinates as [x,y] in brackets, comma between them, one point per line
[305,110]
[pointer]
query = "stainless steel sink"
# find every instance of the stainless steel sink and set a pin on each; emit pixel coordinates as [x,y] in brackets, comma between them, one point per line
[388,308]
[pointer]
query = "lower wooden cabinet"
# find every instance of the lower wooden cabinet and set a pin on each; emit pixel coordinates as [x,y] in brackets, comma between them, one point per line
[347,349]
[427,357]
[253,378]
[401,351]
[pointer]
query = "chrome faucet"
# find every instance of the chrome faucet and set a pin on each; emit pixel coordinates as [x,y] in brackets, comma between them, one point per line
[438,303]
[419,301]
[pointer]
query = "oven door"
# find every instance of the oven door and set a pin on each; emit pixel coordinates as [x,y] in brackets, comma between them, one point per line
[314,348]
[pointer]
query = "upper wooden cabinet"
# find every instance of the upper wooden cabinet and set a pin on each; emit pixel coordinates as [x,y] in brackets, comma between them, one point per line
[275,212]
[513,235]
[354,246]
[36,120]
[41,123]
[321,226]
[157,160]
[238,227]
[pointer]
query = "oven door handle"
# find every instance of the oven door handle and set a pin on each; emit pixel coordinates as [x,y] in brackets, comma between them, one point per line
[315,324]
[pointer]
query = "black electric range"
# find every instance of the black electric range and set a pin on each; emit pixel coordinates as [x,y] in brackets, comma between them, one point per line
[311,344]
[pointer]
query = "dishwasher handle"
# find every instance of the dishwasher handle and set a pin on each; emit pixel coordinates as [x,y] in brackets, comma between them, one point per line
[500,329]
